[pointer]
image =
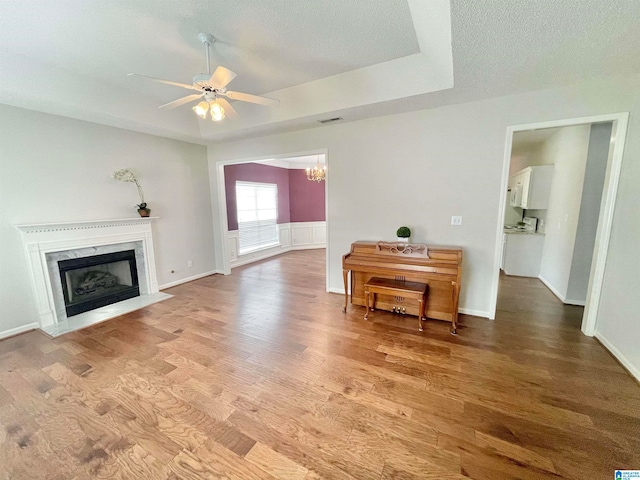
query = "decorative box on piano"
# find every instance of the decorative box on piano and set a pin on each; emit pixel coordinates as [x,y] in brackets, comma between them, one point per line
[439,267]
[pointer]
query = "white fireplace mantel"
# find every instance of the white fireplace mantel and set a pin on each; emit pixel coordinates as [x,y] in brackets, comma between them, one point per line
[42,239]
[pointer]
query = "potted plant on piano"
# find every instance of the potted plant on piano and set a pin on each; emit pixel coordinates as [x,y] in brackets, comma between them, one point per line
[403,234]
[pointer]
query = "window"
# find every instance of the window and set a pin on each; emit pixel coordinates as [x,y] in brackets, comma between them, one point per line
[257,205]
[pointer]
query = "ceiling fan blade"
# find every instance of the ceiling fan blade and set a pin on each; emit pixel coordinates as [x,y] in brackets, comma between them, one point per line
[221,77]
[246,97]
[229,111]
[182,101]
[168,82]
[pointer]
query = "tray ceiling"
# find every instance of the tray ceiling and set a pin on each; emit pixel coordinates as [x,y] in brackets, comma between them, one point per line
[355,59]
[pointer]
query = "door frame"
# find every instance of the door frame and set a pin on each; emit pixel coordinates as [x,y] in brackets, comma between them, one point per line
[607,205]
[222,201]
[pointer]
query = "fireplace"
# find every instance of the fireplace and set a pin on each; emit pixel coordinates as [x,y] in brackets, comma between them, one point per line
[99,280]
[64,262]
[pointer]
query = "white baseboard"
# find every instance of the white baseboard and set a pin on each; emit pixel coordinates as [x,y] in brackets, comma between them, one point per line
[561,297]
[633,369]
[475,313]
[336,290]
[580,303]
[553,289]
[308,247]
[186,280]
[272,252]
[15,331]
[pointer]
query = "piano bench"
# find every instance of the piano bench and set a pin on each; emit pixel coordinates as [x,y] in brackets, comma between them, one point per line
[398,288]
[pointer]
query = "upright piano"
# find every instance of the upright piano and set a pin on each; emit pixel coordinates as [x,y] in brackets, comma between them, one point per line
[439,267]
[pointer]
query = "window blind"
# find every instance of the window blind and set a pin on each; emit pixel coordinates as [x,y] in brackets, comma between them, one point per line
[257,206]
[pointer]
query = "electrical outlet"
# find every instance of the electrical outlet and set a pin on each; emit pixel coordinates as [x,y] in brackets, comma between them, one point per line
[189,264]
[456,220]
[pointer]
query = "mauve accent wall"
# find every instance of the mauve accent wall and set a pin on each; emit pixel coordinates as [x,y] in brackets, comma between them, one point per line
[306,199]
[299,200]
[255,172]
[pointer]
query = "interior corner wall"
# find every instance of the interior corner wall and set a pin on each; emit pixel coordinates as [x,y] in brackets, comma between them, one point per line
[597,157]
[567,151]
[55,169]
[255,172]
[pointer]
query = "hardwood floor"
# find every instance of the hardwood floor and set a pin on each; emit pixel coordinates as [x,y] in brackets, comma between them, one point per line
[259,375]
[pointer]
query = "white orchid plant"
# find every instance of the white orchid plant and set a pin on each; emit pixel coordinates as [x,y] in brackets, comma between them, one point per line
[126,175]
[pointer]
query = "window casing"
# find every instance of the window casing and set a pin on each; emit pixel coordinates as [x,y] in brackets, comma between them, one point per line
[257,207]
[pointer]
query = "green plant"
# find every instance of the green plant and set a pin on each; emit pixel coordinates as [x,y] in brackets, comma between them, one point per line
[403,232]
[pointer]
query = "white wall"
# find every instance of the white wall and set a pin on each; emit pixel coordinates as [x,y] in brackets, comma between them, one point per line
[593,183]
[567,151]
[618,324]
[419,168]
[58,169]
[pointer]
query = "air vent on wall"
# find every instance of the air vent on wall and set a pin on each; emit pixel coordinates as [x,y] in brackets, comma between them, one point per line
[329,120]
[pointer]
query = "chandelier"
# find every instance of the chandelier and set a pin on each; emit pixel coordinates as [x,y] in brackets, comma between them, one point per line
[317,173]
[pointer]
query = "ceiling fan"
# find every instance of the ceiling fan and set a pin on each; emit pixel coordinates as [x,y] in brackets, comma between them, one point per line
[211,88]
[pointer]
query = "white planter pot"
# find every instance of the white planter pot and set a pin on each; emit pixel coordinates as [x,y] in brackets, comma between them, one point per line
[404,239]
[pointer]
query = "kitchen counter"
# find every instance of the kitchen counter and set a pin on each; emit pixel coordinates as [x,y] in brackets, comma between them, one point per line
[522,253]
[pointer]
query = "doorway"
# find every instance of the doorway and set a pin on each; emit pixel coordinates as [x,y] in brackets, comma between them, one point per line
[294,219]
[603,228]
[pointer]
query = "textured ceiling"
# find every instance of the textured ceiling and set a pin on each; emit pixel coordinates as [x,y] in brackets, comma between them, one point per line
[510,45]
[351,58]
[270,44]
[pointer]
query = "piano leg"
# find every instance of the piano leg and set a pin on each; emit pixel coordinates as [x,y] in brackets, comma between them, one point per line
[366,312]
[454,313]
[345,274]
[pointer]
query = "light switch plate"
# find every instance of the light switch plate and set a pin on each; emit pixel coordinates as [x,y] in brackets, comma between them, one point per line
[456,220]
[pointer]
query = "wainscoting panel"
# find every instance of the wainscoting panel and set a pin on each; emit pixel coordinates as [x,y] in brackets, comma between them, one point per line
[308,235]
[285,234]
[232,245]
[301,235]
[293,236]
[320,234]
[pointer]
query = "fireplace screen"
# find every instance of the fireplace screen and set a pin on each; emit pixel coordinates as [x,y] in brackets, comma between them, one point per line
[93,282]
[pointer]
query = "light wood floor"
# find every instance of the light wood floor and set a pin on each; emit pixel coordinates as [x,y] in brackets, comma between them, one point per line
[259,375]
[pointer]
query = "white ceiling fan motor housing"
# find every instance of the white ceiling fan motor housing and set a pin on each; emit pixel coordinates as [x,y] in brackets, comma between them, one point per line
[202,81]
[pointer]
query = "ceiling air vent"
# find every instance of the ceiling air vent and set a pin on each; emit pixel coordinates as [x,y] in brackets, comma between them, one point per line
[329,120]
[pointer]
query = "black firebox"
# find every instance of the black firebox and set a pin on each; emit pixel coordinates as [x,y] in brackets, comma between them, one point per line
[93,282]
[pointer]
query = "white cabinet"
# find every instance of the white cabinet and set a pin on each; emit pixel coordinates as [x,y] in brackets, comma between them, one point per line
[530,188]
[522,254]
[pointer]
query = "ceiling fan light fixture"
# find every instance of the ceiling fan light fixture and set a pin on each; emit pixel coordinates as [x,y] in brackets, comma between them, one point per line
[201,109]
[217,112]
[209,87]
